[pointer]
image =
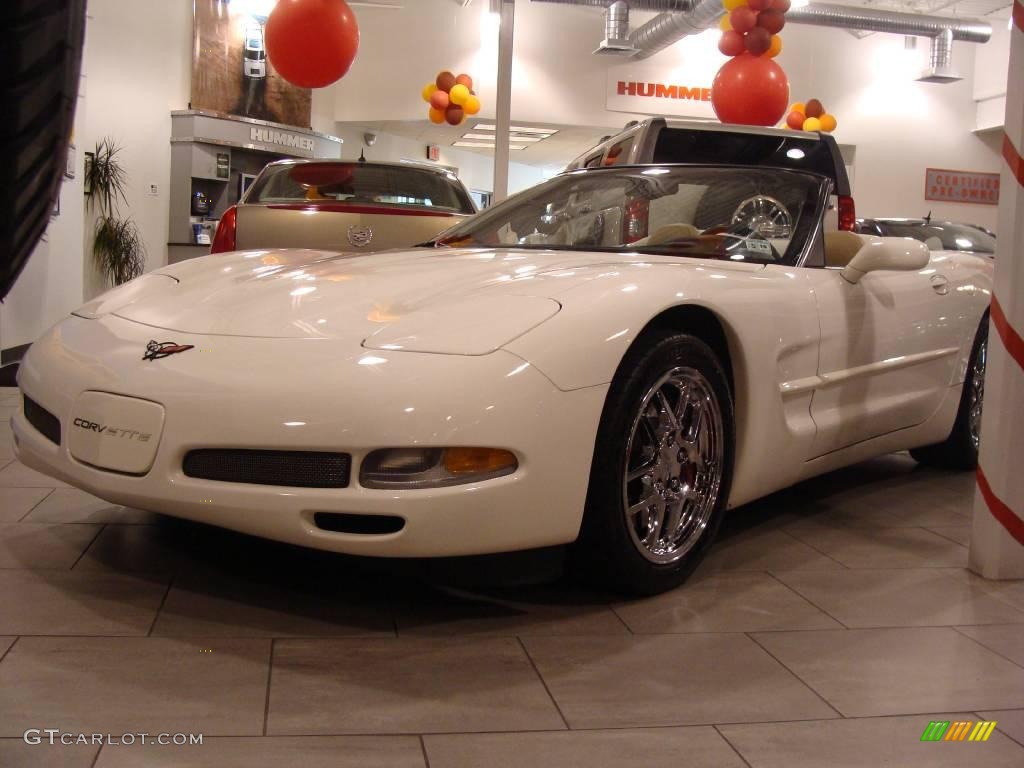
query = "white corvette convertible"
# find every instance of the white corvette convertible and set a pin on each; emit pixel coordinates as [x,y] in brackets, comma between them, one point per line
[611,358]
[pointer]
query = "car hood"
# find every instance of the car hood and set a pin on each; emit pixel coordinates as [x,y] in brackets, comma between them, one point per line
[458,301]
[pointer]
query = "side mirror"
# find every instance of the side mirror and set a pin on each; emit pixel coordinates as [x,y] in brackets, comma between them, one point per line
[896,253]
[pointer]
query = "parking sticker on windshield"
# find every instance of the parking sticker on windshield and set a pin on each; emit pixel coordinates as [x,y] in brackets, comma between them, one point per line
[759,246]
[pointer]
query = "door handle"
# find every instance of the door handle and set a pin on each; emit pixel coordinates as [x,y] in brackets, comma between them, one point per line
[940,284]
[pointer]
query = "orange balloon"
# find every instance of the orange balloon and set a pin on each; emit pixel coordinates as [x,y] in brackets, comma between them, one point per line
[750,90]
[828,122]
[776,47]
[465,80]
[799,107]
[436,115]
[472,105]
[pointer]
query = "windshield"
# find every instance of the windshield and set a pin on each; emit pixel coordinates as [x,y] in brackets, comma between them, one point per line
[941,236]
[743,214]
[360,183]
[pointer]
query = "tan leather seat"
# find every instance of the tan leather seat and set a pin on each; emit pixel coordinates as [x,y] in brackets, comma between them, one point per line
[841,247]
[668,233]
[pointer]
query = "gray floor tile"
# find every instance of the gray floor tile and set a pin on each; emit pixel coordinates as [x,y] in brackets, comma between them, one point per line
[900,598]
[1009,722]
[882,547]
[204,604]
[15,503]
[18,475]
[15,753]
[273,752]
[547,611]
[73,603]
[726,602]
[134,548]
[763,550]
[1011,591]
[696,747]
[959,534]
[1006,640]
[31,545]
[406,686]
[876,741]
[70,505]
[610,682]
[118,685]
[869,672]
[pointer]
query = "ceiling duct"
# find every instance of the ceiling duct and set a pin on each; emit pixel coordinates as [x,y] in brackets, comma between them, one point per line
[616,31]
[679,18]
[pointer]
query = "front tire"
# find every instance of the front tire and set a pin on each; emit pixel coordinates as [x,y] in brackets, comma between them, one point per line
[662,466]
[960,450]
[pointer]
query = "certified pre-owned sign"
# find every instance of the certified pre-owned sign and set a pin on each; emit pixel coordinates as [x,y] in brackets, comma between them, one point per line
[108,431]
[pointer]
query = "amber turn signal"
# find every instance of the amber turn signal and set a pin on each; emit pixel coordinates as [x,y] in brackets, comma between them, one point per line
[459,461]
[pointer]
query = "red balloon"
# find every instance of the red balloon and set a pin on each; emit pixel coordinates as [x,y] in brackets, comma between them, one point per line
[759,5]
[439,99]
[781,5]
[795,120]
[465,80]
[445,81]
[772,20]
[454,115]
[814,108]
[758,40]
[750,90]
[731,43]
[742,19]
[312,43]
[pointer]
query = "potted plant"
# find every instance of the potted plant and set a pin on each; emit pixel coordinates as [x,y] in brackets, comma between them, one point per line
[117,246]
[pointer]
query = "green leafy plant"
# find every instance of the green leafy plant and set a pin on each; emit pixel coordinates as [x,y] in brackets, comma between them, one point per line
[117,248]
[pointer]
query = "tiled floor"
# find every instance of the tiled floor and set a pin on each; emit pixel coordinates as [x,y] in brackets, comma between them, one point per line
[830,624]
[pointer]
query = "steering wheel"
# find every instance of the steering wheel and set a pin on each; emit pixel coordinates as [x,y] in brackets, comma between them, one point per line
[764,216]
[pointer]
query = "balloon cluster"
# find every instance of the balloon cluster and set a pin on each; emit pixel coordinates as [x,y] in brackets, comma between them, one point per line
[810,117]
[451,98]
[753,26]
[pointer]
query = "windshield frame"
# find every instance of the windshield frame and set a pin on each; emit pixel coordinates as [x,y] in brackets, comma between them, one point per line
[806,230]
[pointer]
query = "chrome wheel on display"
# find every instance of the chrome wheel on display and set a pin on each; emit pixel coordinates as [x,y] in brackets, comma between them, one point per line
[977,394]
[674,465]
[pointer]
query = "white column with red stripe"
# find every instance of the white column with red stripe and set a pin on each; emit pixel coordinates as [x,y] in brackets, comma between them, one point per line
[997,533]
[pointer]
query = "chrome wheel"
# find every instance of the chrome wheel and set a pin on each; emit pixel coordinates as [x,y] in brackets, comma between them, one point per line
[977,394]
[765,216]
[674,465]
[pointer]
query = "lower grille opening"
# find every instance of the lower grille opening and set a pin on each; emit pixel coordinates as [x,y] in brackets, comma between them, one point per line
[40,418]
[296,469]
[366,525]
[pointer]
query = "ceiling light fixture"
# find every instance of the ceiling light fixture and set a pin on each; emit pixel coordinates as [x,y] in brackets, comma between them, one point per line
[485,145]
[516,129]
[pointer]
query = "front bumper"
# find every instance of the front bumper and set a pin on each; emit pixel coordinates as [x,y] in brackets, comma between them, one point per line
[324,395]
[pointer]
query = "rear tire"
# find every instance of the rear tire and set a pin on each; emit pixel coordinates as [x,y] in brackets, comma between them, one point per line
[960,450]
[662,466]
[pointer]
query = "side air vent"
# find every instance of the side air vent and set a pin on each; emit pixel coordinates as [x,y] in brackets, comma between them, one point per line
[40,418]
[296,469]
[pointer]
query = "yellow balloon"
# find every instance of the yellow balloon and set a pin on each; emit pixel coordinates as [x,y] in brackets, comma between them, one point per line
[798,107]
[436,115]
[459,94]
[828,123]
[472,105]
[725,24]
[776,47]
[812,124]
[428,91]
[732,5]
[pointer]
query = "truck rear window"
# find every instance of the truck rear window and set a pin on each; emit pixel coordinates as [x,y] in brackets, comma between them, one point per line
[359,184]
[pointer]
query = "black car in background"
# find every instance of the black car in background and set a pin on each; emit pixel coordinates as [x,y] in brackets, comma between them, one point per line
[937,235]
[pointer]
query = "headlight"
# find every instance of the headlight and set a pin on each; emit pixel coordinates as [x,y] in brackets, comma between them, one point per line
[434,467]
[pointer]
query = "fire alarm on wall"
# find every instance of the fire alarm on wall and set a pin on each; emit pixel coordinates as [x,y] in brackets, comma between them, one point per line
[433,152]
